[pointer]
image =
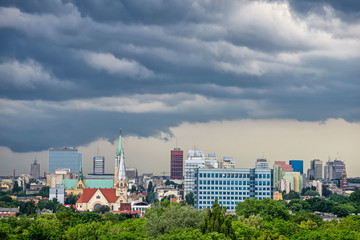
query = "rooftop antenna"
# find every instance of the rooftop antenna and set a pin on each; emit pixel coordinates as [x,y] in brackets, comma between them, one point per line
[97,149]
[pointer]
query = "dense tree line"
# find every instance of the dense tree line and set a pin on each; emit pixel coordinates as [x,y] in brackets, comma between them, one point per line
[254,219]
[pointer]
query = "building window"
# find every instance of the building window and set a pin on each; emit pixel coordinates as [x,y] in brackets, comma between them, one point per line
[97,197]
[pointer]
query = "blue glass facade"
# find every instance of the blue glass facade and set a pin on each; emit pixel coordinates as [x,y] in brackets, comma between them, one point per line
[297,165]
[231,186]
[65,158]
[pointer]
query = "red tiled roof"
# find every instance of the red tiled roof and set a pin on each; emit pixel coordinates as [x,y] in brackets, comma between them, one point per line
[109,194]
[88,193]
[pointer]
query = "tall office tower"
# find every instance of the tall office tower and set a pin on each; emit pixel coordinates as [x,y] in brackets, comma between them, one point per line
[338,167]
[99,165]
[329,170]
[196,159]
[67,157]
[35,170]
[230,186]
[297,165]
[227,162]
[333,169]
[316,165]
[278,174]
[176,164]
[261,163]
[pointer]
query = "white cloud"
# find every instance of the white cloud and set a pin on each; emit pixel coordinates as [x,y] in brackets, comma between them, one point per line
[180,103]
[117,66]
[28,74]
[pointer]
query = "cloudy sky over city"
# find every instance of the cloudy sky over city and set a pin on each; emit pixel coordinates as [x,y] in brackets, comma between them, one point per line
[246,79]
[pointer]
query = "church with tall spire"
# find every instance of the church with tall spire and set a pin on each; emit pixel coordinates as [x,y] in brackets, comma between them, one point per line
[120,181]
[93,198]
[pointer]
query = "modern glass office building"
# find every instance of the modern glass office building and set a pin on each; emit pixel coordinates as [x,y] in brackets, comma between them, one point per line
[231,186]
[67,157]
[297,165]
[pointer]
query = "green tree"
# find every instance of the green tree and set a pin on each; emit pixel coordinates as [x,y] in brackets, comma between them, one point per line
[16,188]
[217,221]
[102,209]
[325,191]
[189,198]
[292,195]
[311,193]
[266,208]
[44,192]
[4,231]
[89,231]
[71,199]
[355,197]
[43,228]
[162,220]
[28,208]
[339,198]
[343,210]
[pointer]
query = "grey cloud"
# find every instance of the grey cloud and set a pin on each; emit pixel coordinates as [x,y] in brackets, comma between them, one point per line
[243,59]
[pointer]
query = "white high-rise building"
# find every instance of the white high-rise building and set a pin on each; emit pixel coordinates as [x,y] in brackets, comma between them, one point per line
[196,159]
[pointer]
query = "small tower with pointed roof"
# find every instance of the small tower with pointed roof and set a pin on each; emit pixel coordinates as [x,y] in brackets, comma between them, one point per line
[120,181]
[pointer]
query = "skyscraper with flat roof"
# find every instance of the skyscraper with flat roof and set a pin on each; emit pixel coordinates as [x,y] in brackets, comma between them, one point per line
[35,170]
[67,157]
[176,164]
[297,165]
[99,165]
[316,169]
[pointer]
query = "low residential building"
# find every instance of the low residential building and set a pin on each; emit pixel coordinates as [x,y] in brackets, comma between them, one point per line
[140,207]
[55,178]
[9,212]
[58,193]
[6,184]
[28,199]
[278,196]
[317,184]
[284,186]
[164,192]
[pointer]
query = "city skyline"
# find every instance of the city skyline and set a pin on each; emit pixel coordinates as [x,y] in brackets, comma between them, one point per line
[245,79]
[159,163]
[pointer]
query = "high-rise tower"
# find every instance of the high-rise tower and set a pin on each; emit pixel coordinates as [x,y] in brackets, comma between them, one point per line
[67,157]
[176,164]
[120,181]
[35,170]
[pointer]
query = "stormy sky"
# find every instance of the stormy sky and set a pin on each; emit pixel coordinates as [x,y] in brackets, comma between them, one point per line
[74,72]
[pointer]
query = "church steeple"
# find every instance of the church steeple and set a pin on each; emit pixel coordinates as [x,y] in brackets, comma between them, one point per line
[120,181]
[119,148]
[120,170]
[81,176]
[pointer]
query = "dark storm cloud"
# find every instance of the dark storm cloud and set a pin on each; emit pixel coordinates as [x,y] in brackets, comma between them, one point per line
[73,71]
